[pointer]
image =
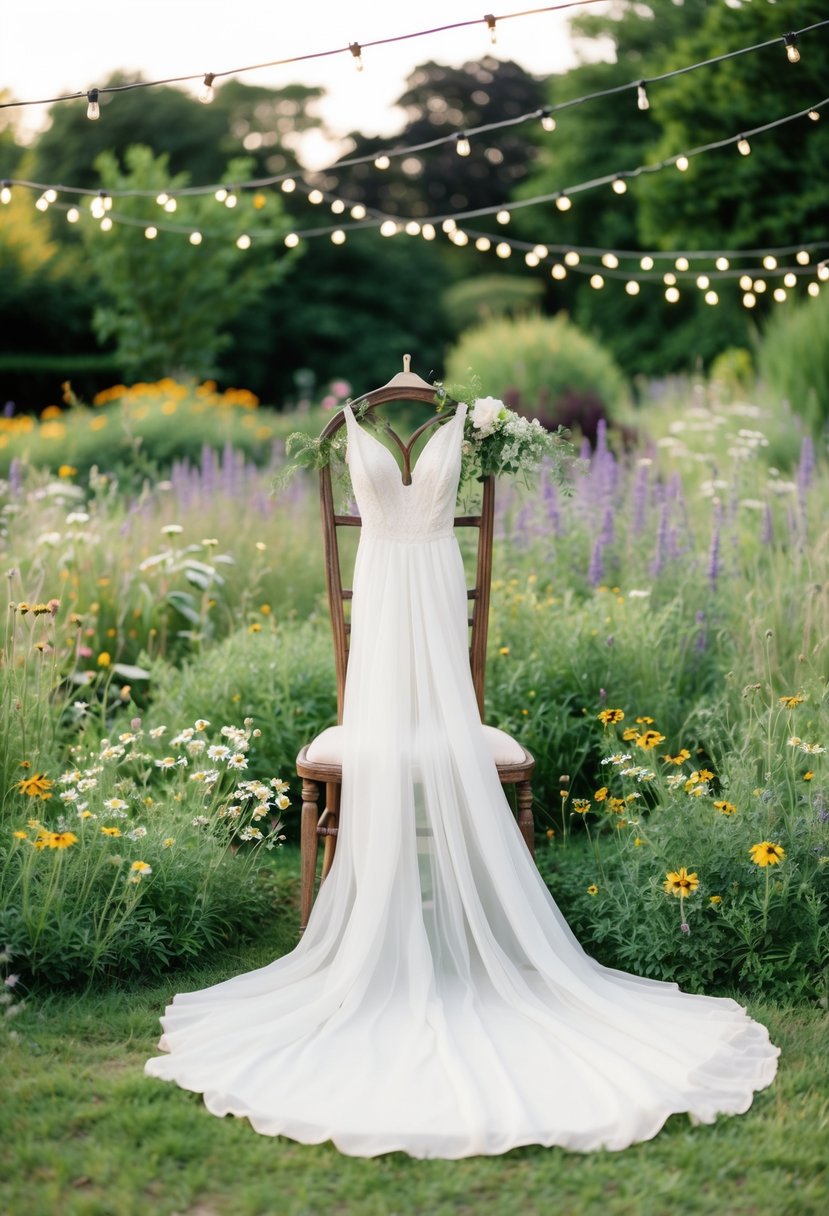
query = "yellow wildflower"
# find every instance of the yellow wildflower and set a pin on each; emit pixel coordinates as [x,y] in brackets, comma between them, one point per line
[649,739]
[36,786]
[791,702]
[592,889]
[608,717]
[680,882]
[767,854]
[726,808]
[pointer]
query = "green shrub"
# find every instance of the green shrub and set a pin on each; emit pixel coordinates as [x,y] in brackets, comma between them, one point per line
[544,367]
[793,359]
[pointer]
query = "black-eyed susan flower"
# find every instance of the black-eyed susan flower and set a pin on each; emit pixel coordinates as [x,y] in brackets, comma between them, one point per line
[592,889]
[581,805]
[766,853]
[791,702]
[629,734]
[36,786]
[680,882]
[59,840]
[649,739]
[18,835]
[610,716]
[111,831]
[600,794]
[714,900]
[807,776]
[682,755]
[725,808]
[141,867]
[645,721]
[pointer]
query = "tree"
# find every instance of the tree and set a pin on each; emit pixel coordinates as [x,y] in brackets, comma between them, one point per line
[167,303]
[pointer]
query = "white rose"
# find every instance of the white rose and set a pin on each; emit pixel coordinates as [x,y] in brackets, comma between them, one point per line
[485,414]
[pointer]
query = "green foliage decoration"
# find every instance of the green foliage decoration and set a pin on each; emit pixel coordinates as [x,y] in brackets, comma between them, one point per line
[793,360]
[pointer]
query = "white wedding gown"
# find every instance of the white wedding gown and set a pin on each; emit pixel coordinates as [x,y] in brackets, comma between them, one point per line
[438,1003]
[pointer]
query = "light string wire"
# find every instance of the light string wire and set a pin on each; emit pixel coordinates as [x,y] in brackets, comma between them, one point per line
[471,132]
[489,21]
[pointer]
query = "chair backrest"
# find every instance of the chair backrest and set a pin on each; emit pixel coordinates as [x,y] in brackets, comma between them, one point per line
[477,594]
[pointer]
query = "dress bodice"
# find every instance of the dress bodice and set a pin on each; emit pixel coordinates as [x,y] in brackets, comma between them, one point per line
[423,510]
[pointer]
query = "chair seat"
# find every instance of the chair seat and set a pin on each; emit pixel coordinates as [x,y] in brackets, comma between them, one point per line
[327,748]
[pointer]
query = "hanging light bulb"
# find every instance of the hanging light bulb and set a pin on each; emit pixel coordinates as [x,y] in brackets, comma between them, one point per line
[315,197]
[759,286]
[220,195]
[559,271]
[547,121]
[646,262]
[230,201]
[206,90]
[428,232]
[749,299]
[73,215]
[610,260]
[291,240]
[669,278]
[682,163]
[195,238]
[802,257]
[483,244]
[460,237]
[493,35]
[243,241]
[743,146]
[596,282]
[619,185]
[790,279]
[823,272]
[531,259]
[357,52]
[388,228]
[572,258]
[338,206]
[42,204]
[161,198]
[503,249]
[381,162]
[672,295]
[722,263]
[541,251]
[503,216]
[813,289]
[413,228]
[746,282]
[632,287]
[814,115]
[358,211]
[563,202]
[462,144]
[171,205]
[792,49]
[682,263]
[289,185]
[98,205]
[93,110]
[770,261]
[448,226]
[106,224]
[779,294]
[642,100]
[338,237]
[150,232]
[703,281]
[5,193]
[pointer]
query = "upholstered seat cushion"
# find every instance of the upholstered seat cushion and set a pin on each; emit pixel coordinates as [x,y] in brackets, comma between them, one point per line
[327,748]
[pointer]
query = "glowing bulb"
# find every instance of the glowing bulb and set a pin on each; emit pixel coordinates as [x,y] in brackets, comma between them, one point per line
[642,100]
[722,263]
[106,224]
[5,193]
[483,244]
[460,237]
[559,271]
[596,281]
[646,262]
[93,110]
[743,146]
[672,295]
[288,186]
[358,211]
[790,279]
[563,202]
[42,203]
[98,205]
[531,259]
[448,225]
[338,206]
[381,162]
[779,294]
[195,238]
[703,281]
[669,278]
[150,233]
[428,232]
[50,195]
[572,258]
[503,250]
[682,263]
[632,287]
[823,272]
[73,215]
[749,299]
[413,228]
[682,163]
[711,297]
[619,185]
[291,240]
[792,51]
[243,241]
[338,237]
[770,261]
[814,115]
[610,260]
[547,121]
[357,52]
[206,90]
[388,228]
[759,286]
[503,217]
[746,282]
[813,289]
[802,257]
[230,201]
[220,195]
[170,205]
[490,20]
[462,145]
[161,199]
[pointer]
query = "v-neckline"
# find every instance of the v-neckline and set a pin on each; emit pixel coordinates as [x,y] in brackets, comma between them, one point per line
[389,453]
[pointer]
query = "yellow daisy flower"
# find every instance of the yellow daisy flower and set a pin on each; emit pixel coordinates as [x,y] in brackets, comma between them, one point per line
[680,882]
[766,853]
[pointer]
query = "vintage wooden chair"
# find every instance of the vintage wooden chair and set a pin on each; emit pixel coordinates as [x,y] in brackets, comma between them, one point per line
[319,764]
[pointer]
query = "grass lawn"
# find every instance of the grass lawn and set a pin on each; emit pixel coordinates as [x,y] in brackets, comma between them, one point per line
[83,1132]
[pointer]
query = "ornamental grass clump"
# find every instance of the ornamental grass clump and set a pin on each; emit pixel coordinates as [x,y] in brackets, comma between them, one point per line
[147,851]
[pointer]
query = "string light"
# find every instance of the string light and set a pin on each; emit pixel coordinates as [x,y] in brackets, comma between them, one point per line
[206,90]
[790,279]
[669,279]
[503,216]
[93,109]
[503,249]
[547,121]
[73,215]
[596,282]
[813,289]
[316,196]
[619,185]
[462,144]
[291,240]
[388,228]
[792,49]
[770,261]
[749,299]
[448,225]
[563,202]
[642,99]
[559,271]
[161,199]
[483,244]
[338,206]
[823,272]
[357,52]
[428,233]
[646,262]
[358,212]
[759,286]
[632,287]
[413,228]
[382,162]
[743,146]
[195,238]
[746,282]
[572,258]
[682,263]
[813,114]
[243,241]
[802,257]
[672,295]
[722,263]
[682,163]
[5,193]
[779,294]
[610,260]
[150,232]
[106,224]
[288,186]
[171,205]
[490,20]
[338,237]
[703,282]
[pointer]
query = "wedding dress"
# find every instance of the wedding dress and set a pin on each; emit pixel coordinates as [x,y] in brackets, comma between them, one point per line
[438,1002]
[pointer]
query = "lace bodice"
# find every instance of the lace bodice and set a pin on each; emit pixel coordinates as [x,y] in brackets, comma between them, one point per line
[423,510]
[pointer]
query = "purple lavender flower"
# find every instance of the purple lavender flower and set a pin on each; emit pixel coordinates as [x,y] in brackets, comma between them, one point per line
[714,568]
[595,572]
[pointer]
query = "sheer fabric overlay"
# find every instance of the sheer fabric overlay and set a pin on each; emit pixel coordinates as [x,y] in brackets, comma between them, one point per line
[438,1003]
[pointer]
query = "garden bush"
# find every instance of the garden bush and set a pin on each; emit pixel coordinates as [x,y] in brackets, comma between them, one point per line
[546,368]
[793,360]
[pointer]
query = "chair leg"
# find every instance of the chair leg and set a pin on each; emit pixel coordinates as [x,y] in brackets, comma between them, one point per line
[524,797]
[332,805]
[308,848]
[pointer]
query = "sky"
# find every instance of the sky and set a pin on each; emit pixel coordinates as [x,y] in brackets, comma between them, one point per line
[48,47]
